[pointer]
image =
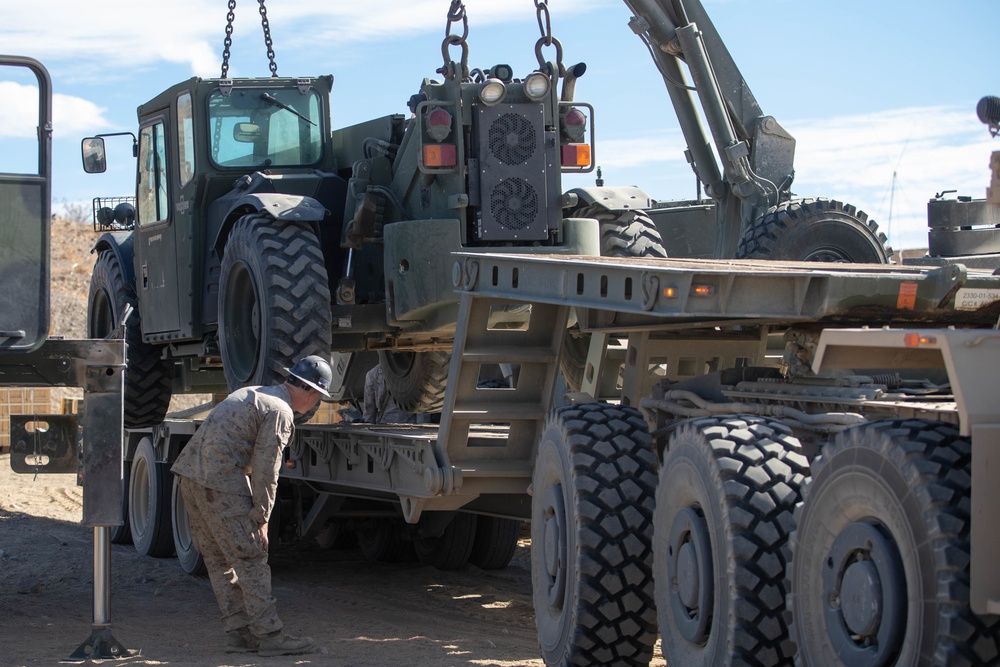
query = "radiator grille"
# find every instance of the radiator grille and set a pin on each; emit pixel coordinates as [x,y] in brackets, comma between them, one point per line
[512,139]
[514,203]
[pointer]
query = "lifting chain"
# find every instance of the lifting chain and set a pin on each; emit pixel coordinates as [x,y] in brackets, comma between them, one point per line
[456,13]
[267,39]
[228,42]
[545,27]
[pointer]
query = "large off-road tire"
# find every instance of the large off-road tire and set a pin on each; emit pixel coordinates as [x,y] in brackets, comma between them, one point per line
[880,554]
[724,507]
[148,377]
[274,300]
[629,233]
[123,534]
[591,537]
[187,555]
[149,503]
[416,380]
[495,543]
[381,540]
[814,230]
[451,549]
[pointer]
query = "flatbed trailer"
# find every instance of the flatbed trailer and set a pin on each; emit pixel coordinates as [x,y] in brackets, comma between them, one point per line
[753,403]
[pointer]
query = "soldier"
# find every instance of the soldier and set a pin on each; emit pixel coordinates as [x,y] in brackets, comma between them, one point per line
[228,477]
[379,405]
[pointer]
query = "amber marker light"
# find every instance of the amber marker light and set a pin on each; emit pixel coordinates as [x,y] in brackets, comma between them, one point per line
[916,340]
[576,155]
[703,290]
[670,292]
[440,155]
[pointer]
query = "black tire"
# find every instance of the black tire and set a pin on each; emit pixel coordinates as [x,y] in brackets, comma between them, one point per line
[416,380]
[381,540]
[814,230]
[629,233]
[123,534]
[338,536]
[888,503]
[148,377]
[495,542]
[187,555]
[724,508]
[149,515]
[450,550]
[591,537]
[274,300]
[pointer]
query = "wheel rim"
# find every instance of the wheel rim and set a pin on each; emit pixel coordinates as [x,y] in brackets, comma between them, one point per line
[828,254]
[139,503]
[554,546]
[182,525]
[101,315]
[241,323]
[864,595]
[690,575]
[400,364]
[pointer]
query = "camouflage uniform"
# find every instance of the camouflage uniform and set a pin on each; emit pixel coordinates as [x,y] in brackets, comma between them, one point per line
[229,472]
[380,407]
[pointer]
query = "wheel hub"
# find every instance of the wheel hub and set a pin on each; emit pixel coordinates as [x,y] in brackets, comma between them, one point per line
[864,590]
[554,545]
[690,575]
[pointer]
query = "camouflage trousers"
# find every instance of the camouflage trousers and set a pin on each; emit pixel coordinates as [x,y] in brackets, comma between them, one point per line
[225,536]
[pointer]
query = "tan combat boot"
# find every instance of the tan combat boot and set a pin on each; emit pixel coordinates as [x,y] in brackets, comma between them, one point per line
[241,641]
[278,643]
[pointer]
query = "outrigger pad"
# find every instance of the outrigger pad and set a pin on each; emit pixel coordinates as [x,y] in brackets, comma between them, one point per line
[44,444]
[101,646]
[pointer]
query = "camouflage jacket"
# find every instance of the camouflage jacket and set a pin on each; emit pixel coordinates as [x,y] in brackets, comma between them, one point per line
[238,448]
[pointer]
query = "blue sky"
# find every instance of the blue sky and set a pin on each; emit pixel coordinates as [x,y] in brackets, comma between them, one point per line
[868,89]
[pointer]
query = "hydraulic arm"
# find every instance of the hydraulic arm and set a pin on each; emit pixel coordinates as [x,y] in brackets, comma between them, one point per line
[751,168]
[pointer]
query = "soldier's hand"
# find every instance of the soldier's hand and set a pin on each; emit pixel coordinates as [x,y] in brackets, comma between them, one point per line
[263,535]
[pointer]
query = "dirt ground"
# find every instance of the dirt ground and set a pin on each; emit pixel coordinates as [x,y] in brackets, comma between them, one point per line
[363,613]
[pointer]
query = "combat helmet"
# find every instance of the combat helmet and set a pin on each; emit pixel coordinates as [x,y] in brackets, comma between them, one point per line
[315,372]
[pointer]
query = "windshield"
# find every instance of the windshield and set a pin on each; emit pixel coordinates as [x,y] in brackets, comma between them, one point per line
[265,127]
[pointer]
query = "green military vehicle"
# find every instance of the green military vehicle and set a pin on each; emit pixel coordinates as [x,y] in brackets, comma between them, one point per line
[258,234]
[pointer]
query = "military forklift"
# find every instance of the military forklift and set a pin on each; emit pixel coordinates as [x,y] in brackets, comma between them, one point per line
[258,234]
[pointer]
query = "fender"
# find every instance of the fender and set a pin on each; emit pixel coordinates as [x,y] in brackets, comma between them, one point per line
[279,207]
[610,198]
[120,243]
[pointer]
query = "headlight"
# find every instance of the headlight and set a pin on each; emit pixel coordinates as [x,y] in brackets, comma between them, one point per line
[536,86]
[492,92]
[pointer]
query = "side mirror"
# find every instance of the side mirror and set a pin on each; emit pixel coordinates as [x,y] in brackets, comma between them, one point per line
[246,133]
[95,160]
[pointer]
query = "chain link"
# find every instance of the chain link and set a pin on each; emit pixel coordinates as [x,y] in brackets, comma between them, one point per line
[228,42]
[545,28]
[544,21]
[456,13]
[267,39]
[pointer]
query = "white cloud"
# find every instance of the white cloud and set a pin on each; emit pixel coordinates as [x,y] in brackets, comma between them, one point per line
[893,162]
[19,113]
[136,35]
[74,116]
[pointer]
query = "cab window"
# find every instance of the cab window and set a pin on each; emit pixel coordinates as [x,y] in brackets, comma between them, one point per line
[152,188]
[185,139]
[260,128]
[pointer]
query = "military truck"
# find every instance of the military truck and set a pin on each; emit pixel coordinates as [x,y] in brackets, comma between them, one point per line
[812,502]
